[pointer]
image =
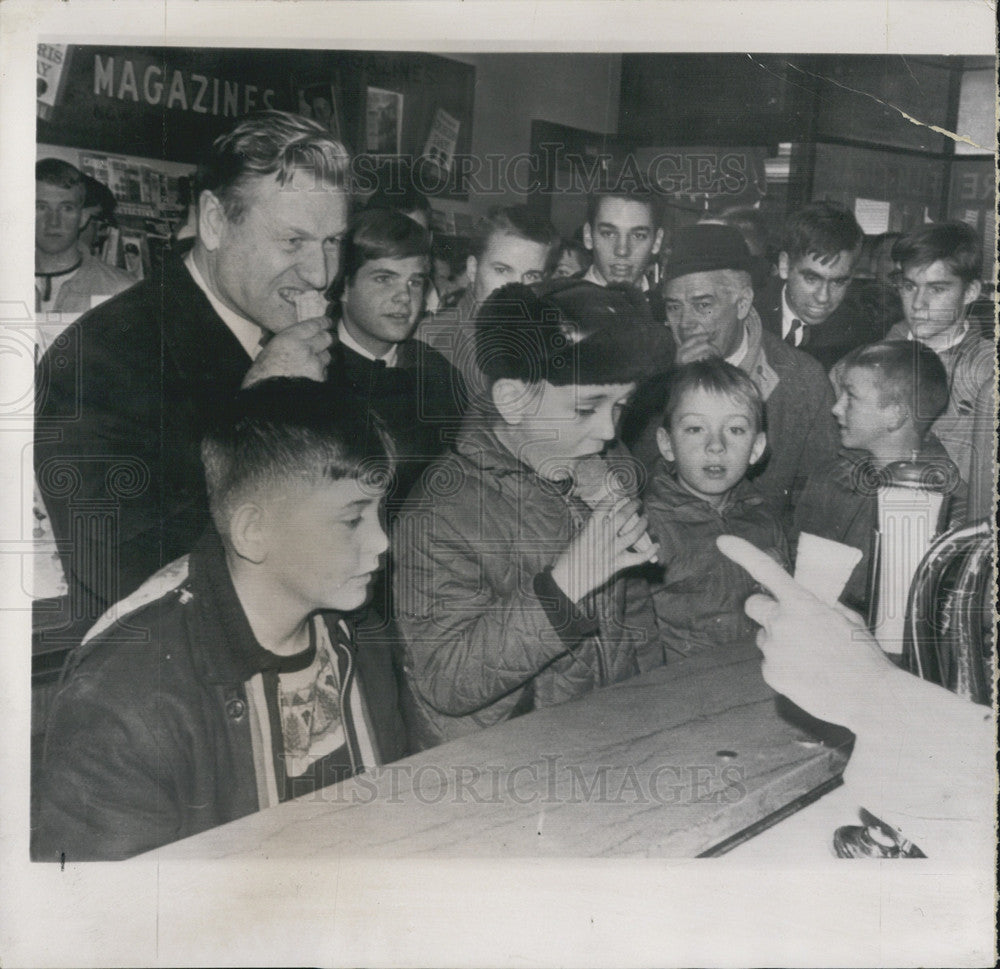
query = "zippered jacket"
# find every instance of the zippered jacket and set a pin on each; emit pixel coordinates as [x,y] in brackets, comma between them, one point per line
[166,722]
[488,633]
[697,593]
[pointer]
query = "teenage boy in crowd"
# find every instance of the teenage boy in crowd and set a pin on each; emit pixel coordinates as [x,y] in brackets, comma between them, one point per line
[889,397]
[709,306]
[939,278]
[124,402]
[624,234]
[396,189]
[712,432]
[509,592]
[228,682]
[386,264]
[68,278]
[511,246]
[806,307]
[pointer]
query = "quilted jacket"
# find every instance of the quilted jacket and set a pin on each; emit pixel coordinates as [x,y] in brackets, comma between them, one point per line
[488,633]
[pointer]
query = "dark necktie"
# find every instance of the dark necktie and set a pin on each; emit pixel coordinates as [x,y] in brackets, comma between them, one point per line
[796,334]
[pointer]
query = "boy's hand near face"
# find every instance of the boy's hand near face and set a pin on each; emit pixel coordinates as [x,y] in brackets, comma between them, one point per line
[603,547]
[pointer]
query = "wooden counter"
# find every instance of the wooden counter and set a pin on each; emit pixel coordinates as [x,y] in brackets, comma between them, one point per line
[675,763]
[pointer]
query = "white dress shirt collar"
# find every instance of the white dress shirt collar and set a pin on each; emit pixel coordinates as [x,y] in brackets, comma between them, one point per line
[389,358]
[787,315]
[249,334]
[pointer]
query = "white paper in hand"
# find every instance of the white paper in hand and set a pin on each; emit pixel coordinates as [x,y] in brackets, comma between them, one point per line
[309,303]
[595,479]
[824,566]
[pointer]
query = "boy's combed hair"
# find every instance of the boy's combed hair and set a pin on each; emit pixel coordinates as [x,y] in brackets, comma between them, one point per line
[714,376]
[953,243]
[55,171]
[381,234]
[271,143]
[289,430]
[642,194]
[821,229]
[519,221]
[909,373]
[569,332]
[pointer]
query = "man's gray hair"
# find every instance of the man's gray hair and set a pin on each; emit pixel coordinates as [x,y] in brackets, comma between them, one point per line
[271,143]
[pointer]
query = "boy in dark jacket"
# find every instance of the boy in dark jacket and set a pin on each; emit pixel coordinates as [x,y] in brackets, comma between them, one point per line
[508,582]
[227,682]
[712,432]
[889,395]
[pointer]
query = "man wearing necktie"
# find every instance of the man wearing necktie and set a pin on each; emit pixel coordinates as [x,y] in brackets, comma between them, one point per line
[820,246]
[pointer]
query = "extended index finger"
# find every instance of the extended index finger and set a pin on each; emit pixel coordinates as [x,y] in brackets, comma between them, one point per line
[761,566]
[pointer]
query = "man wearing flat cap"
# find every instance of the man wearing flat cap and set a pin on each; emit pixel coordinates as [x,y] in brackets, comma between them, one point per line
[708,294]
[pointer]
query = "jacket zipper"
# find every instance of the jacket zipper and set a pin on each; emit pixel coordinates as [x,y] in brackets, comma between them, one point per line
[345,709]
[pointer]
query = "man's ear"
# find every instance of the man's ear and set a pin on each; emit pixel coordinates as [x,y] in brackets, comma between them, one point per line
[759,444]
[471,267]
[784,265]
[744,302]
[87,215]
[657,241]
[664,444]
[512,398]
[588,237]
[248,532]
[212,221]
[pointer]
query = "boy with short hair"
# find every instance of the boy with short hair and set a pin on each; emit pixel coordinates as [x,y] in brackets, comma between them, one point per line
[228,681]
[810,305]
[68,278]
[511,245]
[939,278]
[375,359]
[712,432]
[509,591]
[890,394]
[623,233]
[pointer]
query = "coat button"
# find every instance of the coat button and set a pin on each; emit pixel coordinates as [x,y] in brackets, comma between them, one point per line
[235,708]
